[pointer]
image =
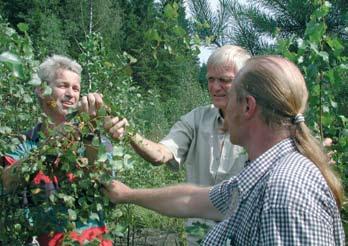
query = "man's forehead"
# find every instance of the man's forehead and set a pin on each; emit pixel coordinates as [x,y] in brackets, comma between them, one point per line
[64,74]
[221,69]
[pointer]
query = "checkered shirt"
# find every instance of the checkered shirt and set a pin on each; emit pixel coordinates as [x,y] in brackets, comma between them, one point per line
[281,198]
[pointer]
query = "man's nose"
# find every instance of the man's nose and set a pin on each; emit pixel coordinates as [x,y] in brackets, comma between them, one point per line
[69,91]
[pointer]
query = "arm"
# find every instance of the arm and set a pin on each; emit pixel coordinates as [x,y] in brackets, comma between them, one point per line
[178,201]
[155,153]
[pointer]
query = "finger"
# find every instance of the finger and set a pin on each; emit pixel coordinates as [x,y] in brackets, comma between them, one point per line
[119,133]
[109,122]
[126,122]
[84,104]
[116,132]
[91,104]
[98,100]
[119,129]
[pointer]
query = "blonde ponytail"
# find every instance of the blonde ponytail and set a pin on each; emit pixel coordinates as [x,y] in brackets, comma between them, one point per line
[311,148]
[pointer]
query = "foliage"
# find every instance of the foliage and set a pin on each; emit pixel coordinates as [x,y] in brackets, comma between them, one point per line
[210,25]
[82,199]
[58,26]
[123,97]
[321,56]
[225,25]
[166,51]
[17,97]
[257,25]
[78,198]
[266,21]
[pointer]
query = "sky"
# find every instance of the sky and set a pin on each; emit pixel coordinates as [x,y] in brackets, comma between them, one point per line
[205,53]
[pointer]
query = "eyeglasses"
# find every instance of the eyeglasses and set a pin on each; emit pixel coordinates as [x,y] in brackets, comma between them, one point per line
[222,80]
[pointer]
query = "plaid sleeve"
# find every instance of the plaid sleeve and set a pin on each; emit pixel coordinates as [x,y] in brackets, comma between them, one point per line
[287,226]
[220,195]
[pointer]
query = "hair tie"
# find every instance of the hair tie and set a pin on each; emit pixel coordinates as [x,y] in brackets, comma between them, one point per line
[298,118]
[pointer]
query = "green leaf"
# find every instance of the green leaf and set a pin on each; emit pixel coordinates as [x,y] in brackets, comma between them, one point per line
[5,130]
[300,43]
[103,157]
[72,214]
[9,57]
[27,98]
[120,229]
[95,141]
[343,119]
[14,63]
[47,91]
[35,80]
[322,11]
[315,31]
[171,11]
[17,227]
[344,66]
[152,35]
[99,207]
[94,216]
[324,55]
[335,45]
[127,161]
[312,71]
[116,164]
[326,109]
[333,104]
[23,27]
[118,151]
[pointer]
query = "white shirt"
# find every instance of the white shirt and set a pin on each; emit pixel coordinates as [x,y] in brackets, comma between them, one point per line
[198,143]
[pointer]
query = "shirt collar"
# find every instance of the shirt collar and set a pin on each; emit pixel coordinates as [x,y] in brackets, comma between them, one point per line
[257,168]
[218,116]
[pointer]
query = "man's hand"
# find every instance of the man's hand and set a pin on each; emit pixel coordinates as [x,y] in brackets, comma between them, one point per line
[91,103]
[116,126]
[116,191]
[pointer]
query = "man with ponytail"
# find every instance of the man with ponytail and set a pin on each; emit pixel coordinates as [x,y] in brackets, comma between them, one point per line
[286,194]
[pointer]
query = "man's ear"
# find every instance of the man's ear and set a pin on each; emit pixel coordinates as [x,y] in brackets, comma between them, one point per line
[250,106]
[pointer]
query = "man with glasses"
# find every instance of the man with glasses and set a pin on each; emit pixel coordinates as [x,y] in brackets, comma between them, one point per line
[198,140]
[286,194]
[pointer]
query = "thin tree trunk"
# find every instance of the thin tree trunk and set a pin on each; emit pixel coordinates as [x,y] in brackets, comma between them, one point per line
[90,3]
[90,16]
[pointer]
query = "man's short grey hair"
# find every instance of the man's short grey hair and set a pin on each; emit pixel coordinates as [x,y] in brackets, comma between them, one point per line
[229,55]
[48,69]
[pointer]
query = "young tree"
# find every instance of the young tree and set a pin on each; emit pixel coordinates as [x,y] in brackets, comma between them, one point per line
[256,25]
